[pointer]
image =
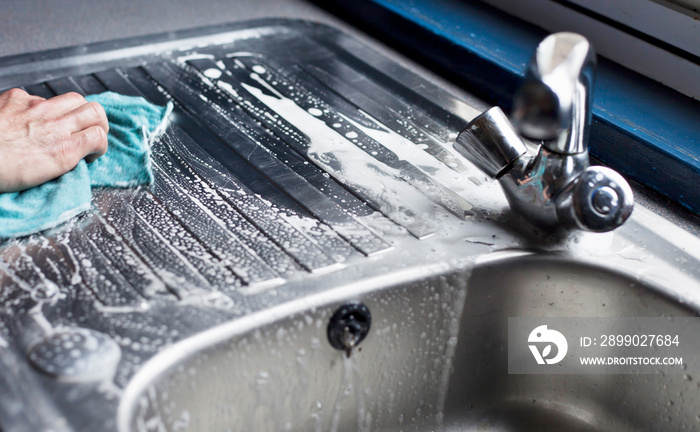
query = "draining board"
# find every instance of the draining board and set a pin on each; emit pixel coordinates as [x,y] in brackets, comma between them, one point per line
[293,153]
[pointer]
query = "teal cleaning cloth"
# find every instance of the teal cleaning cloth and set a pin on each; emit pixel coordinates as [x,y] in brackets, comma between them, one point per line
[133,122]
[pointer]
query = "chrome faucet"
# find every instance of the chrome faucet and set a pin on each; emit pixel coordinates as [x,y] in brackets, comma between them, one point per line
[552,186]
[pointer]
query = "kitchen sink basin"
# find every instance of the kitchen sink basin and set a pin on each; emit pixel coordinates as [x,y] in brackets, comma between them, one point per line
[302,172]
[552,287]
[435,359]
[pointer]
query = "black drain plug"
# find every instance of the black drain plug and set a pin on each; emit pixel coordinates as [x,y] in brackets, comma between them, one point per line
[349,326]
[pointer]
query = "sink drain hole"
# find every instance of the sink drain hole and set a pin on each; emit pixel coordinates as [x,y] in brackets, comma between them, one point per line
[349,326]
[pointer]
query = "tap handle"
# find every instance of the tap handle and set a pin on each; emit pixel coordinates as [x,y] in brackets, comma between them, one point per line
[600,200]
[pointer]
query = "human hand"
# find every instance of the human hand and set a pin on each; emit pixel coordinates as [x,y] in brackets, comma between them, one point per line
[41,139]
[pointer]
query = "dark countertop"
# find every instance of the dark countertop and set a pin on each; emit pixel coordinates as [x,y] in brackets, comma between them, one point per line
[65,23]
[36,25]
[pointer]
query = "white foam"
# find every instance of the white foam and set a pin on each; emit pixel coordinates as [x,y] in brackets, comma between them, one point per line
[213,73]
[352,166]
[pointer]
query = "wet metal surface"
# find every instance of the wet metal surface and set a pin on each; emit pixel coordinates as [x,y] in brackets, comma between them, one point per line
[300,171]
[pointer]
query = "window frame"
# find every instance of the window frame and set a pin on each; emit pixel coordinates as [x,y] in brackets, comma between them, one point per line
[645,130]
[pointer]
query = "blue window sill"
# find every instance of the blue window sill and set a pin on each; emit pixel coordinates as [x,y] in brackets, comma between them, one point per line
[645,130]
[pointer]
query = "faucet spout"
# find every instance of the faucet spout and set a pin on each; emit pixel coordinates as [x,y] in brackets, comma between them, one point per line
[491,143]
[554,103]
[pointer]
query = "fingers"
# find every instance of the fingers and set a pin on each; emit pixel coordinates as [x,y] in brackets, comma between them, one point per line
[87,115]
[35,100]
[87,125]
[63,104]
[89,143]
[42,139]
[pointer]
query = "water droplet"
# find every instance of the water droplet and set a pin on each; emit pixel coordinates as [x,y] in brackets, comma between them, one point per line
[212,73]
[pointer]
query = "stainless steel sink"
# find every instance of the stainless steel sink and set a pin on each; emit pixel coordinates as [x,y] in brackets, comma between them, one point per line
[276,370]
[436,359]
[549,286]
[303,171]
